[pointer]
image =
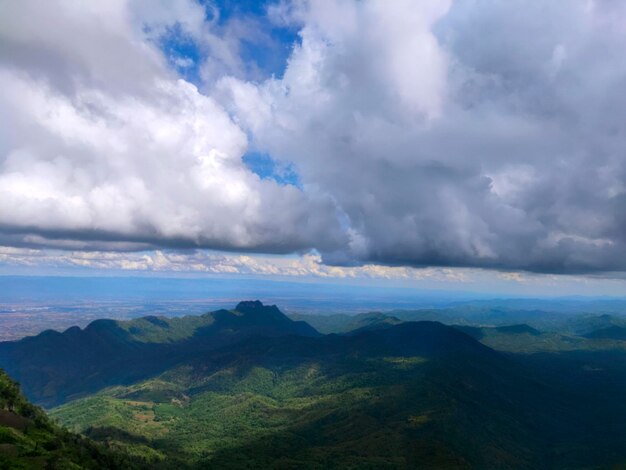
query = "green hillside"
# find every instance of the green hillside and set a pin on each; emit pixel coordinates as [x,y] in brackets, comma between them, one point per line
[611,332]
[342,323]
[30,440]
[54,367]
[411,394]
[250,388]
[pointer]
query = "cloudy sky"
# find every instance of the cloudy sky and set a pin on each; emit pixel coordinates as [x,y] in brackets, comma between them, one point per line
[478,141]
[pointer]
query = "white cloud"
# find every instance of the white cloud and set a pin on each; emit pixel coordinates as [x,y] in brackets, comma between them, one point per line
[201,261]
[471,133]
[104,144]
[474,133]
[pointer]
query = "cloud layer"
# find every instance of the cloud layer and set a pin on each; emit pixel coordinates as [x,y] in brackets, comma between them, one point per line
[103,145]
[473,133]
[201,261]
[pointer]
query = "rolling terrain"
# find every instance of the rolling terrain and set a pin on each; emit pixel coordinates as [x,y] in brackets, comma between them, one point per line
[251,388]
[54,367]
[395,397]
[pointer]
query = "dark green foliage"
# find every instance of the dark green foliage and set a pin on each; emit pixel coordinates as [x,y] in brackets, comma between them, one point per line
[415,394]
[341,323]
[610,332]
[249,388]
[559,322]
[29,440]
[54,367]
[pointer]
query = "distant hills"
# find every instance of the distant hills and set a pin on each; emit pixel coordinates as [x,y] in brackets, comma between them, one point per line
[342,323]
[610,332]
[410,394]
[253,388]
[54,367]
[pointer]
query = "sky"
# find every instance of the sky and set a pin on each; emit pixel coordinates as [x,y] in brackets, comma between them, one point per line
[477,143]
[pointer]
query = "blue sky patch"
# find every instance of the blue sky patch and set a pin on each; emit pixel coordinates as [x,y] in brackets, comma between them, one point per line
[264,48]
[183,54]
[267,168]
[270,57]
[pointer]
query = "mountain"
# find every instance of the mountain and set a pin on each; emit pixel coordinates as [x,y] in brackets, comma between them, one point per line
[478,332]
[587,323]
[477,314]
[30,440]
[518,329]
[543,316]
[250,388]
[413,394]
[611,332]
[526,339]
[342,323]
[54,367]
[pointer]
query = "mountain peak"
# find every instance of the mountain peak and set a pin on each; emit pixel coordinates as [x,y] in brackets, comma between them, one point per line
[255,308]
[255,311]
[268,320]
[248,305]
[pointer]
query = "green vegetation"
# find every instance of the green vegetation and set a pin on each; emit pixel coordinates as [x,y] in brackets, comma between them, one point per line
[412,394]
[54,367]
[342,323]
[250,388]
[30,440]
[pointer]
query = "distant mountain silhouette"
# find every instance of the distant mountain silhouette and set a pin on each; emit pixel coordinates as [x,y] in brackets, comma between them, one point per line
[407,395]
[342,323]
[611,332]
[53,367]
[250,387]
[518,329]
[478,332]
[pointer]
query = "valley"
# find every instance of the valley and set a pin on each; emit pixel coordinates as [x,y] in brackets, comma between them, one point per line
[231,387]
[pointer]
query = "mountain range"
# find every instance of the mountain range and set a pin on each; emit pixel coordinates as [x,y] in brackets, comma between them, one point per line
[252,388]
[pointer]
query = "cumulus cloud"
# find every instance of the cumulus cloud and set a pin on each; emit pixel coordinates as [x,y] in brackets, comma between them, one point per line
[206,262]
[473,133]
[102,145]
